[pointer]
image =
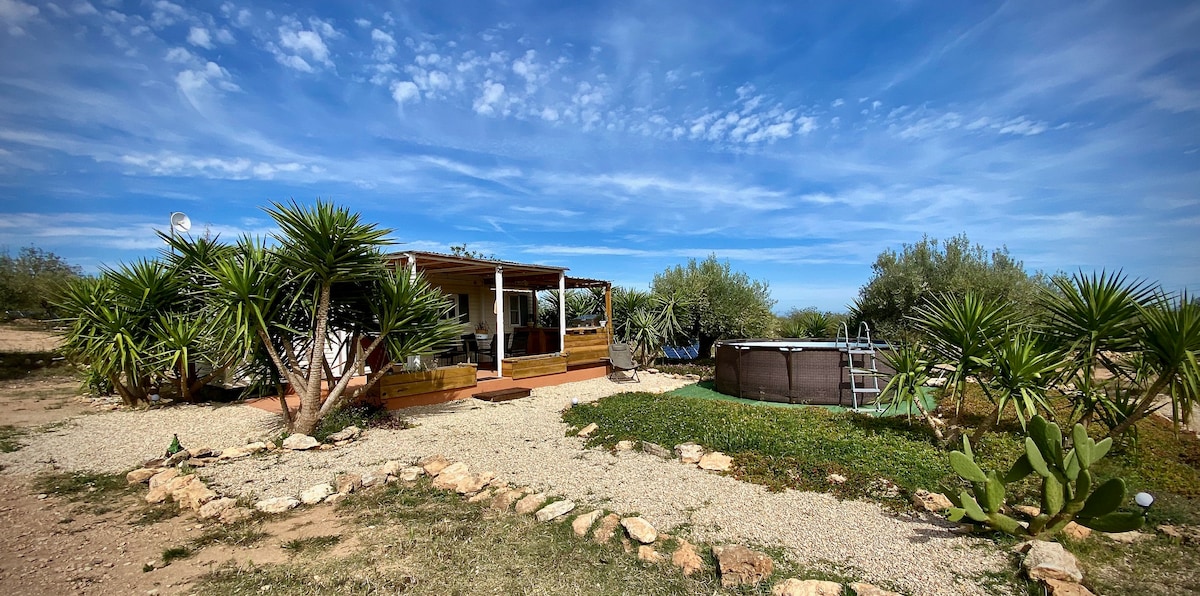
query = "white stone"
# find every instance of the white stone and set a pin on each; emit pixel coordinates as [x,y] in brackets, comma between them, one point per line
[716,461]
[300,443]
[554,510]
[277,504]
[583,523]
[1049,560]
[215,507]
[689,453]
[316,494]
[639,529]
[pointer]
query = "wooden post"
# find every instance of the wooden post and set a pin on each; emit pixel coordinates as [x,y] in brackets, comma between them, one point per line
[608,311]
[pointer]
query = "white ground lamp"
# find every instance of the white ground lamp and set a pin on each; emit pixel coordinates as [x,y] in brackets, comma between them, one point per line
[1144,500]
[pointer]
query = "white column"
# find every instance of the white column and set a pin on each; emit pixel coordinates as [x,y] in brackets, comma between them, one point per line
[562,312]
[500,305]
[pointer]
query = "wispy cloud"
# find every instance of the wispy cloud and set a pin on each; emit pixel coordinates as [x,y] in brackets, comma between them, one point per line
[605,142]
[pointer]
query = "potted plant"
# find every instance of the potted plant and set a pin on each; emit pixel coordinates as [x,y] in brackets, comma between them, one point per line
[481,331]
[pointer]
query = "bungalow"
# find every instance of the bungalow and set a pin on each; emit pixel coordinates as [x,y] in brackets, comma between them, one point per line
[502,345]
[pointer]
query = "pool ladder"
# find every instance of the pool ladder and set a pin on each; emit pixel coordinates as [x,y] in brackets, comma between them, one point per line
[860,362]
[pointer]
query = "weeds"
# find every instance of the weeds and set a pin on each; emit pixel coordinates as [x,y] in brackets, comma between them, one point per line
[312,543]
[176,553]
[10,438]
[362,416]
[421,540]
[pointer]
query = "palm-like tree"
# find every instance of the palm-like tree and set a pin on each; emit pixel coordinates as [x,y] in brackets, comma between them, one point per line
[1020,370]
[908,386]
[1168,338]
[323,277]
[962,331]
[1093,320]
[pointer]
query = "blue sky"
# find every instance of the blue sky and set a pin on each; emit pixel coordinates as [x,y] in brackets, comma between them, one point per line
[796,140]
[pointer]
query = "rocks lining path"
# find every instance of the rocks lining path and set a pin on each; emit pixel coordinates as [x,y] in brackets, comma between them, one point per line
[524,442]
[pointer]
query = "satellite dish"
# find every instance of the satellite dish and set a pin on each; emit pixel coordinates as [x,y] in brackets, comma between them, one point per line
[180,222]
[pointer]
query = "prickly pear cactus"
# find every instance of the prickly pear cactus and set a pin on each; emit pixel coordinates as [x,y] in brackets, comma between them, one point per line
[1067,493]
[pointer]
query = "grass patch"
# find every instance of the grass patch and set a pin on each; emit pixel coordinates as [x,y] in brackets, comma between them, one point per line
[1156,565]
[175,553]
[86,487]
[243,533]
[103,493]
[10,438]
[778,447]
[312,543]
[426,541]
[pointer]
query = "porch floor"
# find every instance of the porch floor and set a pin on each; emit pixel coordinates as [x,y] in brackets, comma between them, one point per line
[487,380]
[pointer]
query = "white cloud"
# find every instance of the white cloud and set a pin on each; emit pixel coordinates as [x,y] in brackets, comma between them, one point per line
[304,45]
[527,68]
[385,45]
[549,114]
[84,9]
[16,13]
[165,14]
[224,36]
[239,168]
[180,56]
[197,84]
[198,36]
[405,91]
[491,95]
[1022,126]
[839,102]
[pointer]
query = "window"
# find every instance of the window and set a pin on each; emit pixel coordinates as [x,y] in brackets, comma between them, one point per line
[519,309]
[460,308]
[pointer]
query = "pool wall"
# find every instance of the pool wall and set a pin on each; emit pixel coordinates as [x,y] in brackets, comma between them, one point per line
[789,371]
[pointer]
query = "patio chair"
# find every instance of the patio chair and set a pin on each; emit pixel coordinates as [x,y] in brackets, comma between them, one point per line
[621,360]
[518,342]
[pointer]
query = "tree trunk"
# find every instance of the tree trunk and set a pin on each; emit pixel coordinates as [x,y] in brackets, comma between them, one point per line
[310,395]
[706,345]
[1143,406]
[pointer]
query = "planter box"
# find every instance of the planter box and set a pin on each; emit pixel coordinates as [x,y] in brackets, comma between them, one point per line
[439,379]
[523,367]
[587,345]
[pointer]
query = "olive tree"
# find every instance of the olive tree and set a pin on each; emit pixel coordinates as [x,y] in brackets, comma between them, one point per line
[711,301]
[903,281]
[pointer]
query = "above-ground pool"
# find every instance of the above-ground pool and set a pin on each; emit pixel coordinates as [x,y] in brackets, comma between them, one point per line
[794,371]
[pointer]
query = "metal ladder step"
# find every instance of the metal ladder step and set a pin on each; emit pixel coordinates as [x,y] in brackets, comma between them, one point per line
[864,389]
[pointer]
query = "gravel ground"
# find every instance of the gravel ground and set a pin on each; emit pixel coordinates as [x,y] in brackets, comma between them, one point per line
[524,443]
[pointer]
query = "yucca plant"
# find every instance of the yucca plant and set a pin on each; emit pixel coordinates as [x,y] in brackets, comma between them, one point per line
[1168,340]
[961,331]
[1019,371]
[1093,320]
[111,324]
[323,276]
[908,387]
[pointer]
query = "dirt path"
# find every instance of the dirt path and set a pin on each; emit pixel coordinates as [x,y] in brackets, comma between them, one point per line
[54,546]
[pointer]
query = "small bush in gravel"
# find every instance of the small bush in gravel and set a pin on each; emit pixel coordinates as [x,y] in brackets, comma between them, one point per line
[362,416]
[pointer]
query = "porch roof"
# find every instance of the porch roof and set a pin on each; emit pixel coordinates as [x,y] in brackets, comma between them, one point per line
[516,275]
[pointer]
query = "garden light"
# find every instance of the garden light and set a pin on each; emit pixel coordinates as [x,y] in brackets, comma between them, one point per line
[1144,500]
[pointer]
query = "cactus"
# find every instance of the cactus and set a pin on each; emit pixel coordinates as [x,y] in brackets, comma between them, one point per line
[1067,493]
